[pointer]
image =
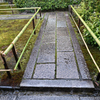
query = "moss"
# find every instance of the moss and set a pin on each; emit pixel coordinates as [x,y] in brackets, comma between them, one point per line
[14,81]
[8,31]
[5,7]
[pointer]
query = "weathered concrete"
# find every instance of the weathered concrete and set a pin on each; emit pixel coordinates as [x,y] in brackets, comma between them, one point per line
[87,98]
[29,83]
[61,24]
[79,56]
[31,63]
[47,98]
[58,61]
[64,44]
[47,53]
[8,97]
[49,38]
[66,66]
[45,71]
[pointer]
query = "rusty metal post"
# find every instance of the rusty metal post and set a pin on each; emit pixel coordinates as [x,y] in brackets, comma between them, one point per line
[40,12]
[36,14]
[79,23]
[98,77]
[16,57]
[6,66]
[34,26]
[71,10]
[12,10]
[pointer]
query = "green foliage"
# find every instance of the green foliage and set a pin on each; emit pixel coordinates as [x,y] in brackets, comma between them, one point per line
[91,15]
[46,4]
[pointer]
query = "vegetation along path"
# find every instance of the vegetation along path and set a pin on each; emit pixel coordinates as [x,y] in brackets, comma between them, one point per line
[56,60]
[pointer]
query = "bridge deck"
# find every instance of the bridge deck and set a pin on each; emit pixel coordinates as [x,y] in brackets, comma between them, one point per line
[57,60]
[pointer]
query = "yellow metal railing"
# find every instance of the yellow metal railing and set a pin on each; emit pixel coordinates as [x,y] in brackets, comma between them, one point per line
[72,10]
[12,47]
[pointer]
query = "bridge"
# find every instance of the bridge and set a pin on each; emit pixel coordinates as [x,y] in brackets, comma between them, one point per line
[57,60]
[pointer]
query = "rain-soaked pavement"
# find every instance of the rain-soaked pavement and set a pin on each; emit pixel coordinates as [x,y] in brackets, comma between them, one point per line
[57,60]
[56,63]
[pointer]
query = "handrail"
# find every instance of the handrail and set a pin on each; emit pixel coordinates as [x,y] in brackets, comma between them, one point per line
[7,5]
[11,46]
[26,46]
[10,9]
[93,35]
[18,36]
[91,32]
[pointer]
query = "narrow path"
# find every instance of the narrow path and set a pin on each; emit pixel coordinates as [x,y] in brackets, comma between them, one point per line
[57,60]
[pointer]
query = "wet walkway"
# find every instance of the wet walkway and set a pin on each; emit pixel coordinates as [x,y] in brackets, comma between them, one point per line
[57,60]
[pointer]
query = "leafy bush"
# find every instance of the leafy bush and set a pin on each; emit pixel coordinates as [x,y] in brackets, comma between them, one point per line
[46,4]
[91,15]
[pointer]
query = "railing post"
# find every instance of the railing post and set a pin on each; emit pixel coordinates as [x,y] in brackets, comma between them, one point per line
[6,66]
[40,12]
[15,55]
[12,10]
[71,10]
[79,23]
[98,77]
[34,26]
[36,14]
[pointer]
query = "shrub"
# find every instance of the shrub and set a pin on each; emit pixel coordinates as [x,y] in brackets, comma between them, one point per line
[46,4]
[91,15]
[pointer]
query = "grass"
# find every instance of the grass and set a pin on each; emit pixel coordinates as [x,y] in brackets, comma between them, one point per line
[8,31]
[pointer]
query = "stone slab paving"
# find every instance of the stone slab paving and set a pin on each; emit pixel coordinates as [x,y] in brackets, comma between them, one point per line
[40,95]
[31,63]
[64,44]
[66,66]
[57,83]
[47,98]
[57,60]
[45,71]
[47,53]
[79,56]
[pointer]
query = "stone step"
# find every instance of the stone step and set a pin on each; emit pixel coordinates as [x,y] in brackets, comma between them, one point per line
[77,85]
[48,98]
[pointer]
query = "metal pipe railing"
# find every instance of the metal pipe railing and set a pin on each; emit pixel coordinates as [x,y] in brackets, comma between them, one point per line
[9,9]
[91,32]
[18,36]
[11,46]
[93,35]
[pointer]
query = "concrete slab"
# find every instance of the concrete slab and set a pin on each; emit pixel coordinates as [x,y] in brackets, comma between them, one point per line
[66,65]
[62,29]
[48,98]
[31,63]
[46,58]
[45,71]
[87,98]
[47,48]
[62,33]
[8,97]
[79,56]
[60,16]
[48,38]
[49,33]
[47,53]
[64,43]
[61,24]
[97,98]
[51,24]
[29,83]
